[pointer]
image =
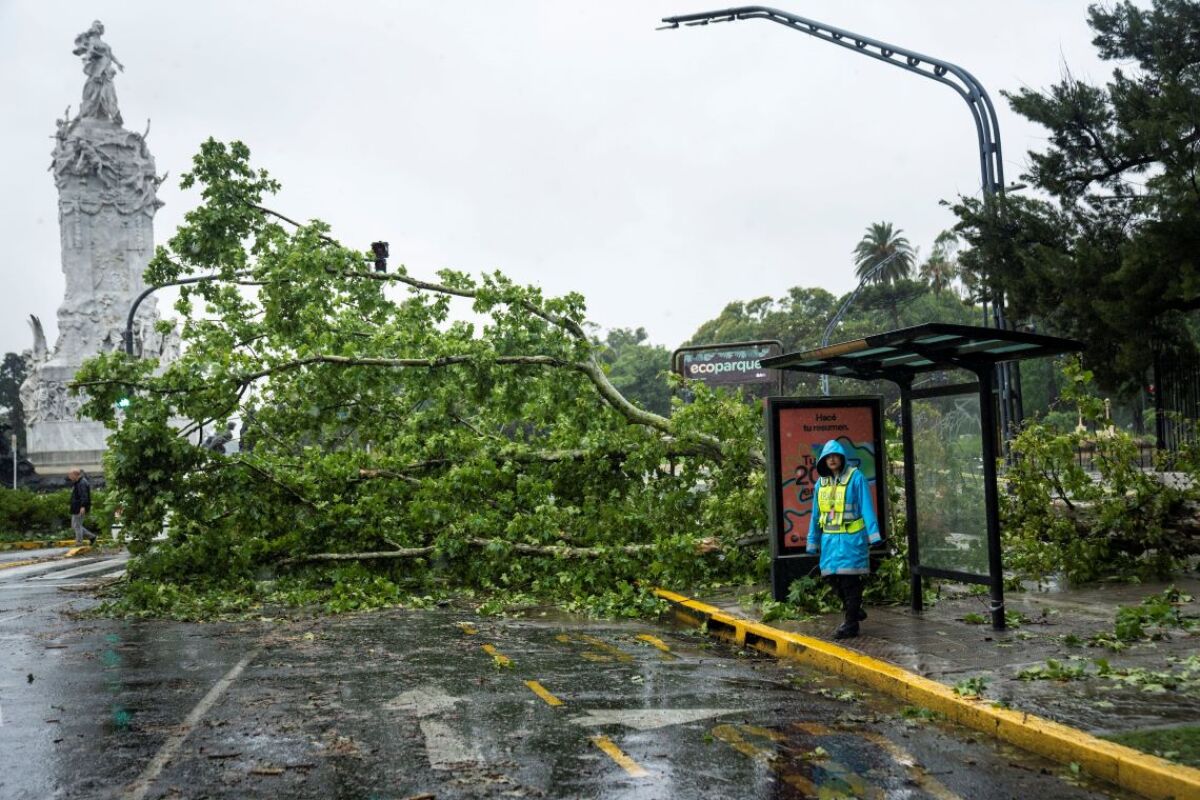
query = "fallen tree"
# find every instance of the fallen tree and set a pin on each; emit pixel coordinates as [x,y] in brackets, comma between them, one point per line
[381,428]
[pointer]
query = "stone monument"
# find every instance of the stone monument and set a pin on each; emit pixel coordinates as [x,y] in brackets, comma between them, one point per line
[107,198]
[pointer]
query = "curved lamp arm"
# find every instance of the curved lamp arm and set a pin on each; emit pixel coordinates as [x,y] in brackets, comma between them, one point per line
[987,126]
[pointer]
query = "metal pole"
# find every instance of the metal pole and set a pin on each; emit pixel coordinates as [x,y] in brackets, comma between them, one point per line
[1160,421]
[910,497]
[833,322]
[987,418]
[14,451]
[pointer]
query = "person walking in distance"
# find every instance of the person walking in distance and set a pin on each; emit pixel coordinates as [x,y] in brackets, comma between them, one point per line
[81,503]
[842,529]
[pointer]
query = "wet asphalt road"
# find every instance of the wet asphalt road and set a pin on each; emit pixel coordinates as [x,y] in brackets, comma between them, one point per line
[441,703]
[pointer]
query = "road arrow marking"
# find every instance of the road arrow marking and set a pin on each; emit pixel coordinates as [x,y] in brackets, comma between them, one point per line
[443,745]
[647,719]
[423,702]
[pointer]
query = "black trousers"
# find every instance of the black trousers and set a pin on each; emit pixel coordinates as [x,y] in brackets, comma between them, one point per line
[849,589]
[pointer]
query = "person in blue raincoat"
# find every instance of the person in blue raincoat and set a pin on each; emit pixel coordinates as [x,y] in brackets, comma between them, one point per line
[842,528]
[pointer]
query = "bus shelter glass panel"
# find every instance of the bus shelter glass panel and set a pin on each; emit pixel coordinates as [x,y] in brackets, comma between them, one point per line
[948,456]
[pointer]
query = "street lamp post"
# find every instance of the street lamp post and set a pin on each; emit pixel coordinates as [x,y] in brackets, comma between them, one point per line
[987,126]
[870,276]
[378,249]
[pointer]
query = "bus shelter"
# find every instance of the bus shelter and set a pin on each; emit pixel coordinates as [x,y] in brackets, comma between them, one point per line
[950,434]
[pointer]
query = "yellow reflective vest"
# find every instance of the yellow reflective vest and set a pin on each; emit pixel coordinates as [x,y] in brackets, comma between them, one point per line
[831,503]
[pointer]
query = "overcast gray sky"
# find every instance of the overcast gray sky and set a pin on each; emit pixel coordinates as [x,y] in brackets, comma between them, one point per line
[660,173]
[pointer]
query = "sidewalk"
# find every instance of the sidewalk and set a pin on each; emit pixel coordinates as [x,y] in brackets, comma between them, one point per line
[1149,685]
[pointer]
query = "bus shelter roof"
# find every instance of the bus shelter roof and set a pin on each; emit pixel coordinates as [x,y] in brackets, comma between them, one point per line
[900,354]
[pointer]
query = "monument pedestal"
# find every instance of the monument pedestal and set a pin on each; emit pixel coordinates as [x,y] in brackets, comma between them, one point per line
[107,198]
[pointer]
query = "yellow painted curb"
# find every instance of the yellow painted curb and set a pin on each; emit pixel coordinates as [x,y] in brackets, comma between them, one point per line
[1144,774]
[38,545]
[22,563]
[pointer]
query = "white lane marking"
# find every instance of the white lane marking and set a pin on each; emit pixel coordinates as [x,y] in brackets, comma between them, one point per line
[86,569]
[647,719]
[137,790]
[443,745]
[13,574]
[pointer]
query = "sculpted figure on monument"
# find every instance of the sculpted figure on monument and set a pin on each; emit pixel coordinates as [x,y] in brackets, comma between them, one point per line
[99,95]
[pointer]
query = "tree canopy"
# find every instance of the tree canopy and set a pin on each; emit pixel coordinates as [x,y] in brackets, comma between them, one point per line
[418,448]
[12,374]
[1110,254]
[881,241]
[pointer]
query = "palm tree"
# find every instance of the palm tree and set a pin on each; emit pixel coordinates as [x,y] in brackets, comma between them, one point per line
[941,268]
[880,241]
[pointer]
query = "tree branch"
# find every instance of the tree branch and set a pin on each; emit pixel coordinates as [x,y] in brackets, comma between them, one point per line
[405,552]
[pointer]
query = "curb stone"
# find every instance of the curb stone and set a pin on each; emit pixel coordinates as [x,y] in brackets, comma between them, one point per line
[1147,775]
[36,545]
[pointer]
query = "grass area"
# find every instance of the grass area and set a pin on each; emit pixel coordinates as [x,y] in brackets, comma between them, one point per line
[1181,744]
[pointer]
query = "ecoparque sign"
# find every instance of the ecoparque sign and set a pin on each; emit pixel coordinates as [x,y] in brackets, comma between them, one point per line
[728,364]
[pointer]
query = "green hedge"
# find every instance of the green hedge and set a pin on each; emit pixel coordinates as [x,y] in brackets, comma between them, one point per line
[26,515]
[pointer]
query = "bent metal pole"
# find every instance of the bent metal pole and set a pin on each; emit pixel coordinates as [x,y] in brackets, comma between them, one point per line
[962,82]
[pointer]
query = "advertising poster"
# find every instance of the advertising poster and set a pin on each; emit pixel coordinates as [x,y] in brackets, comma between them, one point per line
[800,428]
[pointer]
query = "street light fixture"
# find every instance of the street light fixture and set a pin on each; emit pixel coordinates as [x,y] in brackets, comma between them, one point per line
[380,249]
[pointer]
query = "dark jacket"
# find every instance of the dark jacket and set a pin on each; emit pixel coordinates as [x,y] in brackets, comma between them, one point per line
[81,495]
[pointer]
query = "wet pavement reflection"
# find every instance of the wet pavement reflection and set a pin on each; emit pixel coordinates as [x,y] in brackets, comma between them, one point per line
[446,704]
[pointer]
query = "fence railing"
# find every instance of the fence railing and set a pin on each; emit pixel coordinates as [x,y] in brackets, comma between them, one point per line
[1085,455]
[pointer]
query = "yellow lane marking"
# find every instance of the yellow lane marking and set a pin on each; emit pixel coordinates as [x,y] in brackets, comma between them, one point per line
[923,780]
[607,651]
[731,735]
[501,659]
[605,647]
[626,763]
[468,628]
[543,693]
[10,564]
[1147,775]
[656,642]
[857,787]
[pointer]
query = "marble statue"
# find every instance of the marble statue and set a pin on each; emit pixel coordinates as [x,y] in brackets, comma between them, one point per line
[107,198]
[99,95]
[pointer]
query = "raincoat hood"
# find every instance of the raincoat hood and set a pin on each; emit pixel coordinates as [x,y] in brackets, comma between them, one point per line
[831,447]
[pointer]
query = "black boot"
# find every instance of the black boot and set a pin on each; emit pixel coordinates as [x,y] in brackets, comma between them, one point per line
[852,592]
[846,630]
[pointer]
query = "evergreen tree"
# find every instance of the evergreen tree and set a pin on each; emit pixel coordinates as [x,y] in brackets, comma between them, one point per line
[1113,257]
